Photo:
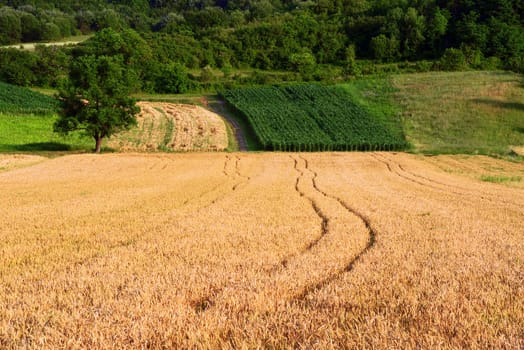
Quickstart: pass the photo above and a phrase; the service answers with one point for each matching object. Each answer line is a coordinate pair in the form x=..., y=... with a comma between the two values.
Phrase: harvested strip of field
x=173, y=127
x=210, y=250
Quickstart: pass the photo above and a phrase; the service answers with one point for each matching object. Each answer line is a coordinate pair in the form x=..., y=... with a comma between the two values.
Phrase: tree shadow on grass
x=500, y=104
x=38, y=147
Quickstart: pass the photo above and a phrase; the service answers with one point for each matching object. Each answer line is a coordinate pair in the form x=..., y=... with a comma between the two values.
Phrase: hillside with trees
x=302, y=40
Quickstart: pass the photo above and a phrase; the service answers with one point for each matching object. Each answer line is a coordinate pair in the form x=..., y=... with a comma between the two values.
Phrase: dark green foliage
x=134, y=51
x=53, y=63
x=276, y=35
x=384, y=49
x=31, y=27
x=453, y=59
x=10, y=26
x=169, y=78
x=312, y=118
x=18, y=100
x=303, y=62
x=18, y=67
x=96, y=99
x=28, y=23
x=50, y=32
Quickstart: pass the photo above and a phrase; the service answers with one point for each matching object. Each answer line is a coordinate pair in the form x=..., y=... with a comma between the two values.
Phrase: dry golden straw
x=211, y=250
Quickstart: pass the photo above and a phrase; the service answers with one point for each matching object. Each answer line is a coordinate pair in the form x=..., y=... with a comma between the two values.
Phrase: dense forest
x=309, y=40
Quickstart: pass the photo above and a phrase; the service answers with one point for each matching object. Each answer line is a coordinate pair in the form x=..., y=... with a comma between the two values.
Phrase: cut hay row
x=173, y=127
x=210, y=250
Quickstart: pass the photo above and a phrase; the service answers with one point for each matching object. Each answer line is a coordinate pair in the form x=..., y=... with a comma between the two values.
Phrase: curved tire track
x=239, y=175
x=227, y=173
x=345, y=236
x=367, y=223
x=436, y=185
x=325, y=220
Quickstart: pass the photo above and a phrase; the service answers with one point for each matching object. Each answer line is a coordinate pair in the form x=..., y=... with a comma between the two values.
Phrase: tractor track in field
x=427, y=182
x=324, y=229
x=289, y=266
x=238, y=174
x=226, y=173
x=405, y=177
x=404, y=170
x=233, y=174
x=349, y=266
x=446, y=185
x=207, y=301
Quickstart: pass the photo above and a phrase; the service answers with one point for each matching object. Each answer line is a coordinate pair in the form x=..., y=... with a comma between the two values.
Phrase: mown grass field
x=464, y=112
x=268, y=250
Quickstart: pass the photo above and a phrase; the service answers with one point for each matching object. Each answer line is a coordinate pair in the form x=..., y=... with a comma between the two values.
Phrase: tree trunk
x=98, y=144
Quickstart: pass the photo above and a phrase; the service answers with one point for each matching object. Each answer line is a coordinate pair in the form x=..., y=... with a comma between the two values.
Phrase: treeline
x=28, y=23
x=48, y=65
x=314, y=39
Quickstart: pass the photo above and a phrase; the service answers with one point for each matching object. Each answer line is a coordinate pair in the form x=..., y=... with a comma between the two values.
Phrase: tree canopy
x=95, y=98
x=296, y=36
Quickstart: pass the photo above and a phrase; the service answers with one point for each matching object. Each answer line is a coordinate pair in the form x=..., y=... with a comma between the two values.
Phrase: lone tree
x=96, y=99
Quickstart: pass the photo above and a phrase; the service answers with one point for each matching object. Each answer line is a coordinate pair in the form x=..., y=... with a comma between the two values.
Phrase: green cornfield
x=311, y=117
x=19, y=100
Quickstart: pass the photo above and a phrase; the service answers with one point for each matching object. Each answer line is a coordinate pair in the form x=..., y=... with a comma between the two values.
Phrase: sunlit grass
x=34, y=133
x=462, y=112
x=500, y=179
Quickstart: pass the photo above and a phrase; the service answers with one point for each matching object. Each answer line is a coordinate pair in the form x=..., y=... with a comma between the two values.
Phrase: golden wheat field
x=217, y=250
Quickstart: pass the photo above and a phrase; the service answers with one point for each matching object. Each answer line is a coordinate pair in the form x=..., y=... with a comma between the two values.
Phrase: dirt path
x=219, y=107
